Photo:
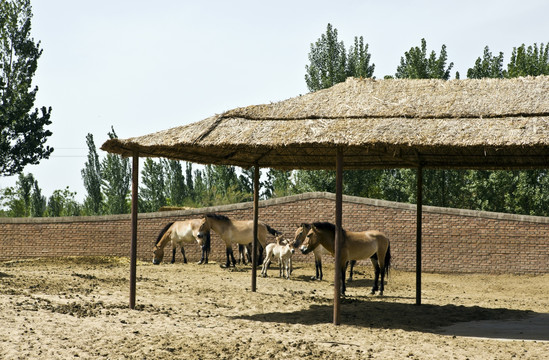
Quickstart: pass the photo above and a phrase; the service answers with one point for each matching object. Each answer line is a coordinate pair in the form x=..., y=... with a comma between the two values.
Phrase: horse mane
x=218, y=217
x=163, y=232
x=327, y=226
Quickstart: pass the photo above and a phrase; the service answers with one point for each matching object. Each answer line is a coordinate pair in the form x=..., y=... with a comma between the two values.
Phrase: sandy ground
x=78, y=308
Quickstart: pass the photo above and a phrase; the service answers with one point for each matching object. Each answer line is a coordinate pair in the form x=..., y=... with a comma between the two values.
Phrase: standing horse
x=354, y=246
x=300, y=235
x=234, y=231
x=180, y=232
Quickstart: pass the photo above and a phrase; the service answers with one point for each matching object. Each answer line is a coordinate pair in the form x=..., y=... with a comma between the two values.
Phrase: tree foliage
x=529, y=61
x=92, y=177
x=416, y=65
x=488, y=66
x=116, y=177
x=23, y=134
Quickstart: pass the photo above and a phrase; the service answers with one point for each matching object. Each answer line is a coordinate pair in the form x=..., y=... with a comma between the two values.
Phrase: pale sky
x=143, y=66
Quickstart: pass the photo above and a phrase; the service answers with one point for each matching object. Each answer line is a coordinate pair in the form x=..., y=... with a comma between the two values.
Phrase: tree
x=488, y=66
x=62, y=203
x=38, y=201
x=116, y=176
x=152, y=195
x=189, y=179
x=18, y=199
x=91, y=175
x=328, y=61
x=531, y=61
x=23, y=135
x=175, y=182
x=416, y=65
x=358, y=60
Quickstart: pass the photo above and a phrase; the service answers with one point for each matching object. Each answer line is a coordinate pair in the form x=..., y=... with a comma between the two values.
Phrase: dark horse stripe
x=163, y=232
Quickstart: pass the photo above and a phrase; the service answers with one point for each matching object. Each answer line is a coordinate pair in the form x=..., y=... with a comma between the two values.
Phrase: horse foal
x=281, y=250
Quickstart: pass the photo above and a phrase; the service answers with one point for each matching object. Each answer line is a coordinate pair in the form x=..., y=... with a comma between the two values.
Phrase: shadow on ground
x=440, y=319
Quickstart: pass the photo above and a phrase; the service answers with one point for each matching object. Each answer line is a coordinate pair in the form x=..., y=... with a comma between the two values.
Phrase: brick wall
x=453, y=240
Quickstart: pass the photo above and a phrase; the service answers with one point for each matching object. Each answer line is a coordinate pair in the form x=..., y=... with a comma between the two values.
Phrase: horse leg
x=343, y=271
x=183, y=253
x=260, y=255
x=173, y=256
x=353, y=263
x=249, y=252
x=377, y=269
x=231, y=254
x=228, y=253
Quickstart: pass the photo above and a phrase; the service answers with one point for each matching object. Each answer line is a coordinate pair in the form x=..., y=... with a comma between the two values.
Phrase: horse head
x=158, y=255
x=311, y=241
x=301, y=233
x=203, y=230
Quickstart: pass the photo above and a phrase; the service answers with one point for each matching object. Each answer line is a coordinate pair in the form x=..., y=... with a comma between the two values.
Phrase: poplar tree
x=24, y=133
x=92, y=177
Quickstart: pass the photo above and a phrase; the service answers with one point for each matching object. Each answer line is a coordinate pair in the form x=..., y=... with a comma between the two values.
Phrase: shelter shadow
x=389, y=315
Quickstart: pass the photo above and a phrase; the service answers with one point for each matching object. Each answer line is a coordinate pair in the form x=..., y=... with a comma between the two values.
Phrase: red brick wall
x=453, y=240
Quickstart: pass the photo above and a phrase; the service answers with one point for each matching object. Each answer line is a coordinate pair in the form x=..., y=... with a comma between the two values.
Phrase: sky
x=143, y=66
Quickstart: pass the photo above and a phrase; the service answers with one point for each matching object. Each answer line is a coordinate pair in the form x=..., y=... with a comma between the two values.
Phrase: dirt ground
x=78, y=308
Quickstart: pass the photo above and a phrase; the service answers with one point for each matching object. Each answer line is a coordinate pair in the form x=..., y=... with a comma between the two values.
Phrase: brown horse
x=177, y=233
x=234, y=231
x=354, y=246
x=300, y=235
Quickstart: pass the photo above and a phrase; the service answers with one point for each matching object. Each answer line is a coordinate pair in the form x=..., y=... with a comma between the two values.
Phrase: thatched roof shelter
x=361, y=124
x=488, y=123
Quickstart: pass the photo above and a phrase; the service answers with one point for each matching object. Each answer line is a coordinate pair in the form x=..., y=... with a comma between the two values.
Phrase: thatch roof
x=489, y=123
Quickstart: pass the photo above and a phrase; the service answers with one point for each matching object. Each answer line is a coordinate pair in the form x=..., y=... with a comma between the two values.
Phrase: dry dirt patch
x=78, y=308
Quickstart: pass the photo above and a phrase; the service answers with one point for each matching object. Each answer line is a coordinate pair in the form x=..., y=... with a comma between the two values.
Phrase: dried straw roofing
x=488, y=123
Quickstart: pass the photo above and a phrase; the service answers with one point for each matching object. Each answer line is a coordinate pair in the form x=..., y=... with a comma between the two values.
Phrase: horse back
x=182, y=231
x=364, y=244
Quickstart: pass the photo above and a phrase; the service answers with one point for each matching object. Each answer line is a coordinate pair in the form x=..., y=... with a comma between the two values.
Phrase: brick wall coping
x=283, y=200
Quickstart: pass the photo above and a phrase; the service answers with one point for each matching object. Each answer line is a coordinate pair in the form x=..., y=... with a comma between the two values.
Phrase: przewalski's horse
x=234, y=231
x=354, y=246
x=281, y=250
x=177, y=233
x=300, y=234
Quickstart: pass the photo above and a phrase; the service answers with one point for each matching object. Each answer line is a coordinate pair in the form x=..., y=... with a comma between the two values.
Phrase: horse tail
x=387, y=260
x=163, y=232
x=272, y=231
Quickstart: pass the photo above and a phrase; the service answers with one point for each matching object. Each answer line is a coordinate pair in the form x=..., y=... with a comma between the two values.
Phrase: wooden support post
x=256, y=219
x=133, y=248
x=338, y=234
x=419, y=213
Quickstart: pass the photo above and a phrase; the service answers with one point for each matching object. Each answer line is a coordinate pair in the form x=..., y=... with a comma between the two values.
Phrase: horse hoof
x=200, y=262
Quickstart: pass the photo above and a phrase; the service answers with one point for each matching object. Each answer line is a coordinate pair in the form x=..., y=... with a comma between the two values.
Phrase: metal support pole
x=419, y=213
x=338, y=234
x=256, y=216
x=133, y=248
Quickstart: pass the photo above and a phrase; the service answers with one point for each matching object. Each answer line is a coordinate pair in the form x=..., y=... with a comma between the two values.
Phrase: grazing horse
x=180, y=232
x=234, y=231
x=354, y=246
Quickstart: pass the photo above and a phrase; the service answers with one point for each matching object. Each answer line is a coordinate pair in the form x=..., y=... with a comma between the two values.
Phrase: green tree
x=38, y=201
x=175, y=182
x=63, y=203
x=528, y=61
x=92, y=177
x=116, y=179
x=23, y=135
x=358, y=60
x=18, y=199
x=189, y=180
x=488, y=66
x=279, y=183
x=152, y=195
x=328, y=61
x=416, y=65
